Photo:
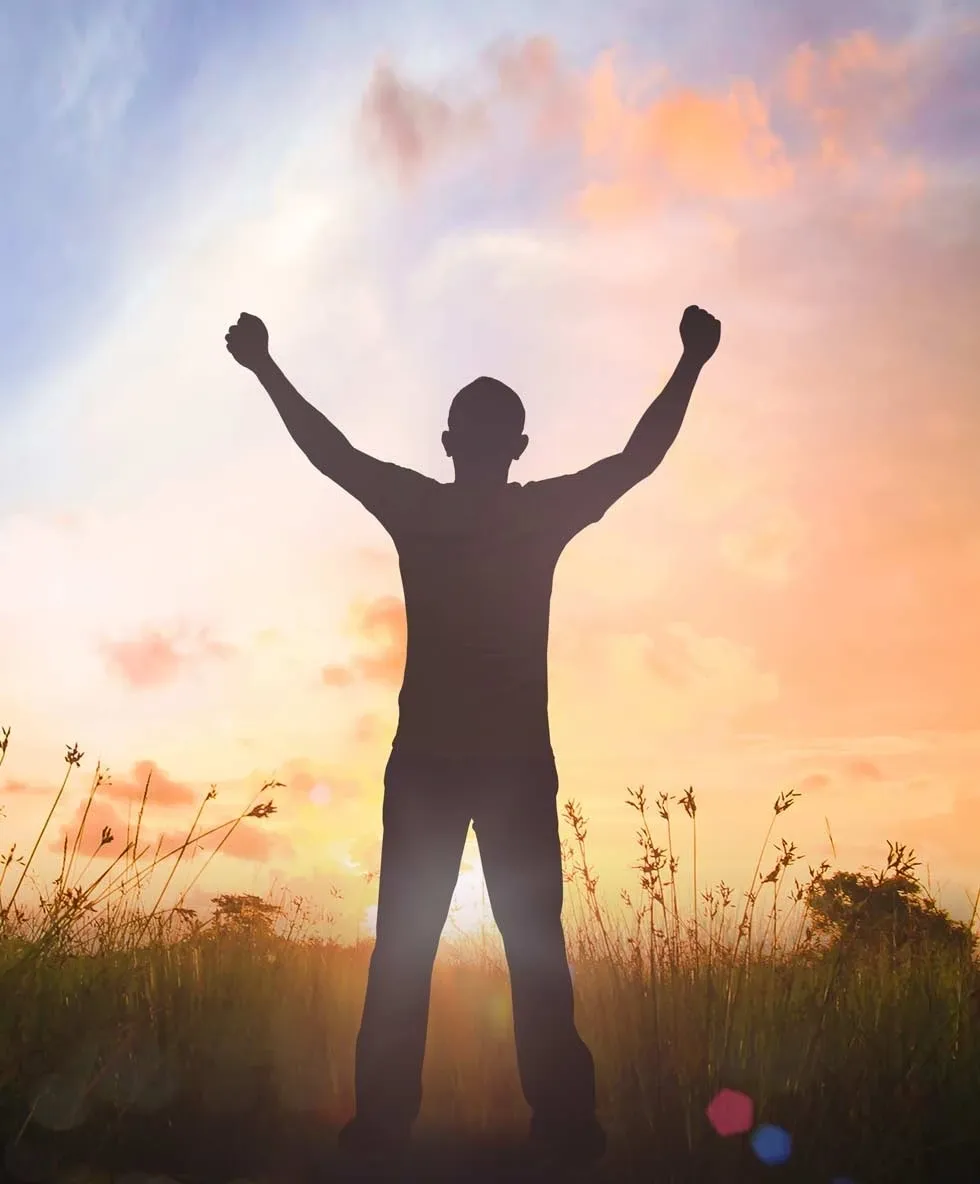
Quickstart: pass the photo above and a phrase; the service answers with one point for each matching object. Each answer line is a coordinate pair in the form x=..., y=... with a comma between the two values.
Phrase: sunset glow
x=789, y=601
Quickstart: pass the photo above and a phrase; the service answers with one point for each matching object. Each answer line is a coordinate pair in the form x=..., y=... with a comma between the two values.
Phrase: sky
x=418, y=194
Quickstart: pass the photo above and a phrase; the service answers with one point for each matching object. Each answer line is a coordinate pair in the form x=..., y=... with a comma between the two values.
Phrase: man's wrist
x=692, y=361
x=264, y=368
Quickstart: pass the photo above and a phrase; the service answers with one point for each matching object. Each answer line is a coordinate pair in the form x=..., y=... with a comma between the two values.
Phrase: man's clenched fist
x=700, y=333
x=248, y=341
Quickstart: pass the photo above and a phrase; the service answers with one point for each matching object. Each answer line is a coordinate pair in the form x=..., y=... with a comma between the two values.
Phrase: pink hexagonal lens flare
x=730, y=1112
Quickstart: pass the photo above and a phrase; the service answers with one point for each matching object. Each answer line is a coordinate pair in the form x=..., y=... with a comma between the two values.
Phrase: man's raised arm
x=327, y=448
x=575, y=500
x=660, y=423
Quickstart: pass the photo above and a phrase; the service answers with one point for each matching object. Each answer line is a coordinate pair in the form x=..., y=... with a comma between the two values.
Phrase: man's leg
x=516, y=823
x=426, y=819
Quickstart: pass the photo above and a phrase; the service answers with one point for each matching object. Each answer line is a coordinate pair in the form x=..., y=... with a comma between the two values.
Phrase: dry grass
x=108, y=1008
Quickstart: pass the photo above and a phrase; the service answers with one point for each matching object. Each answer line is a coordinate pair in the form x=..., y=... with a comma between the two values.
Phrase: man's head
x=486, y=425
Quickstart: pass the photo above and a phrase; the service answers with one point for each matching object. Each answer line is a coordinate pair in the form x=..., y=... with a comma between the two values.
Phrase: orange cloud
x=381, y=621
x=337, y=676
x=638, y=153
x=864, y=770
x=367, y=728
x=23, y=787
x=156, y=657
x=682, y=143
x=251, y=840
x=163, y=790
x=102, y=818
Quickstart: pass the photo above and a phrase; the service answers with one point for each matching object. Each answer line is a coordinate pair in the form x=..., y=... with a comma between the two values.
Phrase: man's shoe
x=367, y=1140
x=579, y=1141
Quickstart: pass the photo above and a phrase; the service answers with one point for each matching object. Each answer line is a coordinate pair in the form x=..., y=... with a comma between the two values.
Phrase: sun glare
x=469, y=912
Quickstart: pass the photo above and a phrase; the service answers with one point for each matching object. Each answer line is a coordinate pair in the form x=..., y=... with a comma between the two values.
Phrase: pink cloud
x=336, y=676
x=864, y=770
x=163, y=790
x=853, y=92
x=366, y=729
x=102, y=818
x=381, y=622
x=409, y=127
x=157, y=657
x=684, y=142
x=252, y=840
x=13, y=786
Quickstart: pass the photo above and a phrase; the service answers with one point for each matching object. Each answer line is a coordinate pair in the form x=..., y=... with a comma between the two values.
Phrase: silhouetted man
x=477, y=559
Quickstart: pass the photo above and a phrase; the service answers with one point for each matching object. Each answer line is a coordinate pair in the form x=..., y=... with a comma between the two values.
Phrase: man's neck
x=481, y=483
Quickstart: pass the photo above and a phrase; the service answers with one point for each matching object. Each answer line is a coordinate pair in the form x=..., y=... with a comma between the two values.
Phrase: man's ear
x=447, y=442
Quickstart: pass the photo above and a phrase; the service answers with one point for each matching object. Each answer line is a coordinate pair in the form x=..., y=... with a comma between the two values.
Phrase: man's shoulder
x=413, y=475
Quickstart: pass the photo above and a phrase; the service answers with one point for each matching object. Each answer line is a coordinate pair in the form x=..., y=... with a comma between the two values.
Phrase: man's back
x=477, y=573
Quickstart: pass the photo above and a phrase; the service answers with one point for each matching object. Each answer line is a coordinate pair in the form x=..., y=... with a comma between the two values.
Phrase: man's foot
x=366, y=1140
x=580, y=1141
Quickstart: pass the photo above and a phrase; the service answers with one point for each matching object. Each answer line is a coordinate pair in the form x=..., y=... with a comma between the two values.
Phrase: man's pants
x=428, y=806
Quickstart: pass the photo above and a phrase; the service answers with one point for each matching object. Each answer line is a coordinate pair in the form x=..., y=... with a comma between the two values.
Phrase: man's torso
x=477, y=575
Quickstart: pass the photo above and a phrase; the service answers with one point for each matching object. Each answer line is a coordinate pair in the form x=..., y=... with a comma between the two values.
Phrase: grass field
x=141, y=1039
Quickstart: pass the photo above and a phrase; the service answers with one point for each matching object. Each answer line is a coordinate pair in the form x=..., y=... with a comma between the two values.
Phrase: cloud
x=157, y=657
x=682, y=143
x=854, y=768
x=810, y=73
x=835, y=105
x=367, y=729
x=864, y=770
x=854, y=94
x=252, y=838
x=252, y=841
x=380, y=621
x=409, y=127
x=853, y=72
x=337, y=676
x=94, y=73
x=163, y=790
x=15, y=786
x=530, y=75
x=102, y=818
